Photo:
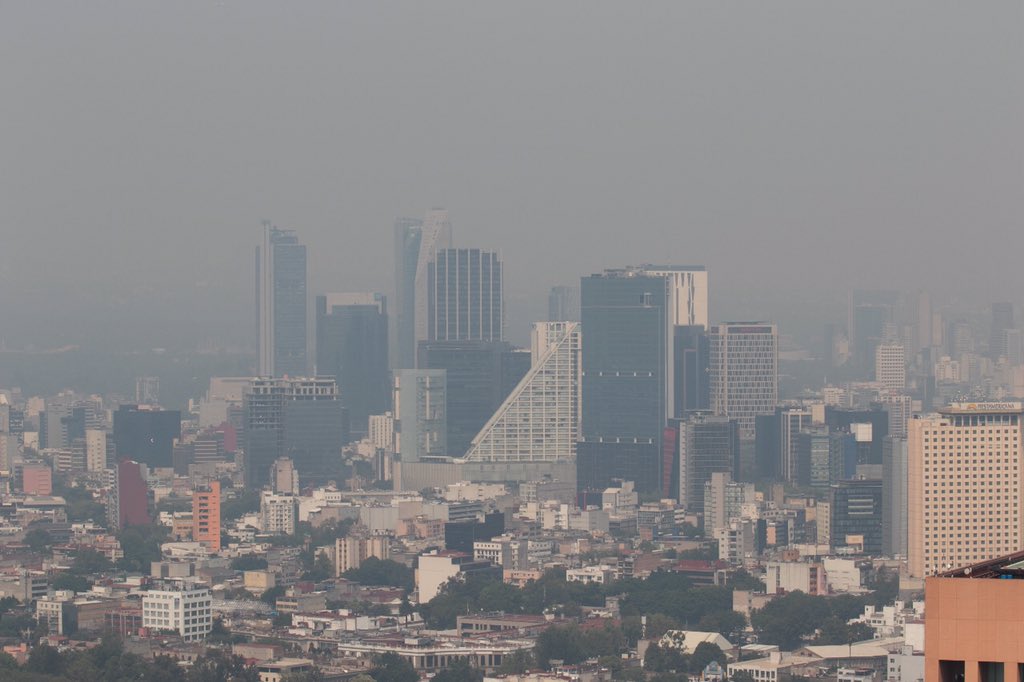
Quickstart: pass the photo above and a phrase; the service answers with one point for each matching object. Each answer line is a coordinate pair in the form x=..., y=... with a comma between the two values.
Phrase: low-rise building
x=182, y=607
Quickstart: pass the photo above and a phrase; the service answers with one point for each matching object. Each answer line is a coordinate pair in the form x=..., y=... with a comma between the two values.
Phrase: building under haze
x=964, y=479
x=416, y=242
x=1002, y=322
x=479, y=375
x=539, y=420
x=626, y=320
x=146, y=434
x=352, y=347
x=707, y=445
x=420, y=414
x=302, y=419
x=281, y=303
x=744, y=372
x=564, y=304
x=465, y=296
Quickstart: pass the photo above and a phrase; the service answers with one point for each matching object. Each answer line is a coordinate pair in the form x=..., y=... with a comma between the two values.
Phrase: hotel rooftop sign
x=986, y=407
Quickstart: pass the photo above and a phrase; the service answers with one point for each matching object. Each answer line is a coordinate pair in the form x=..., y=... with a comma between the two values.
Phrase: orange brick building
x=206, y=516
x=974, y=623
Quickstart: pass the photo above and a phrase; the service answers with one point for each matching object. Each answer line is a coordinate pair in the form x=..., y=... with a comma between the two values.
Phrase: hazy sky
x=796, y=148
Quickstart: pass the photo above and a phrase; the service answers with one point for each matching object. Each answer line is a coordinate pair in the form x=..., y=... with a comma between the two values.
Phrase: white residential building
x=279, y=513
x=180, y=607
x=891, y=366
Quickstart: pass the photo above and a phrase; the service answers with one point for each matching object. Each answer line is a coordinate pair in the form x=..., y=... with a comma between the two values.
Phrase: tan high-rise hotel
x=964, y=486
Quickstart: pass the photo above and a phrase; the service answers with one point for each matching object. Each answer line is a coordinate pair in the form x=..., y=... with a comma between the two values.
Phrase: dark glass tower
x=281, y=303
x=707, y=445
x=625, y=336
x=352, y=347
x=479, y=375
x=465, y=296
x=856, y=514
x=146, y=435
x=690, y=370
x=301, y=419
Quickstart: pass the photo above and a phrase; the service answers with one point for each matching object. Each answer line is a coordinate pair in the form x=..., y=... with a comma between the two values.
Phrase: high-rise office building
x=206, y=516
x=894, y=496
x=539, y=420
x=625, y=385
x=146, y=434
x=1002, y=321
x=707, y=445
x=147, y=390
x=891, y=366
x=281, y=303
x=964, y=478
x=687, y=289
x=301, y=419
x=744, y=372
x=868, y=427
x=564, y=304
x=421, y=429
x=820, y=457
x=856, y=516
x=691, y=360
x=464, y=296
x=352, y=347
x=869, y=315
x=416, y=242
x=408, y=236
x=479, y=375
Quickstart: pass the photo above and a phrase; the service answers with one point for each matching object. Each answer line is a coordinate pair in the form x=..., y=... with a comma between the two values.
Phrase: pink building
x=132, y=504
x=37, y=479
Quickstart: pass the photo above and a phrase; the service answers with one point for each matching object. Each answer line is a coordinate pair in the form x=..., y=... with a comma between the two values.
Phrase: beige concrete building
x=964, y=486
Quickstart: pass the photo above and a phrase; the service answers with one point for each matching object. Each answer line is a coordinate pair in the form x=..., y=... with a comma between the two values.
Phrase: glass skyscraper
x=352, y=347
x=281, y=303
x=464, y=298
x=625, y=322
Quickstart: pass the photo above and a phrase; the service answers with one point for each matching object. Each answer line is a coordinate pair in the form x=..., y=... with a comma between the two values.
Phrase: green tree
x=8, y=603
x=38, y=539
x=741, y=676
x=742, y=580
x=70, y=581
x=836, y=631
x=141, y=546
x=703, y=655
x=729, y=624
x=218, y=666
x=322, y=569
x=46, y=660
x=391, y=667
x=270, y=595
x=88, y=561
x=658, y=624
x=7, y=662
x=516, y=664
x=314, y=675
x=786, y=621
x=374, y=571
x=563, y=643
x=250, y=562
x=459, y=671
x=241, y=504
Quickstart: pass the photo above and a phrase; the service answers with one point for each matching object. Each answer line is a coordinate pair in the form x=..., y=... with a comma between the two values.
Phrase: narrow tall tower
x=281, y=303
